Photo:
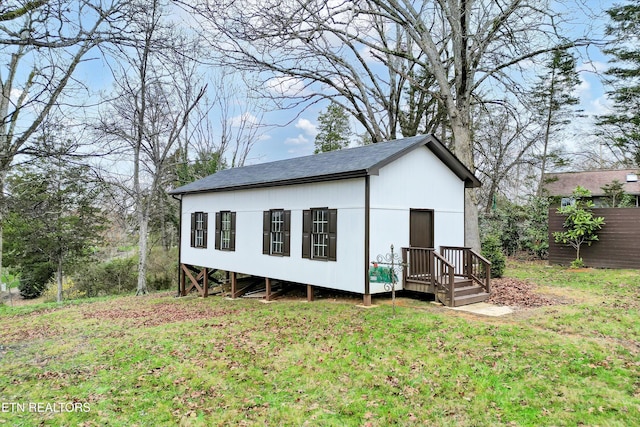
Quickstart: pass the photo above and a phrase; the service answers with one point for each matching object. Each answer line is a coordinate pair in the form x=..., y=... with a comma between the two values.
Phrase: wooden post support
x=205, y=283
x=366, y=300
x=234, y=284
x=309, y=293
x=183, y=288
x=405, y=271
x=267, y=282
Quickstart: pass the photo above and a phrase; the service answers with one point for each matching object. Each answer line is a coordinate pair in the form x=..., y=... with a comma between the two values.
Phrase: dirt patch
x=15, y=299
x=157, y=314
x=521, y=294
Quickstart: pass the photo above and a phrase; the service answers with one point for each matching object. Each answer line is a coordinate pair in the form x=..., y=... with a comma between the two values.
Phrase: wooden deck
x=456, y=276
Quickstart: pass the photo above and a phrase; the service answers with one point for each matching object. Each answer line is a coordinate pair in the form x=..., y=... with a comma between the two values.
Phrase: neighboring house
x=620, y=235
x=321, y=220
x=562, y=184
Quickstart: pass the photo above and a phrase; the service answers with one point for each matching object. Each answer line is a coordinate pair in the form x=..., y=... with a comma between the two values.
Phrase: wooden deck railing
x=469, y=264
x=425, y=265
x=444, y=276
x=419, y=263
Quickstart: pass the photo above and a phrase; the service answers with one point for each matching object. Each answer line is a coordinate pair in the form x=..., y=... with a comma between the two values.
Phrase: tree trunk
x=3, y=174
x=3, y=208
x=164, y=230
x=2, y=284
x=491, y=194
x=471, y=227
x=143, y=221
x=463, y=147
x=547, y=132
x=59, y=280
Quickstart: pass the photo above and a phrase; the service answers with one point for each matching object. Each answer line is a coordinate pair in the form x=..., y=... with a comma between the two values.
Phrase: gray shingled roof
x=563, y=184
x=341, y=164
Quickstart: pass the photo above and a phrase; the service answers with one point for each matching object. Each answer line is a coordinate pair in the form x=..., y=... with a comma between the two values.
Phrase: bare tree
x=43, y=42
x=553, y=98
x=12, y=11
x=241, y=120
x=156, y=94
x=504, y=139
x=307, y=51
x=361, y=54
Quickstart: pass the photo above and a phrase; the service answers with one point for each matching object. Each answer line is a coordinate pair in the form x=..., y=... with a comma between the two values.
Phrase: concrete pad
x=366, y=306
x=484, y=308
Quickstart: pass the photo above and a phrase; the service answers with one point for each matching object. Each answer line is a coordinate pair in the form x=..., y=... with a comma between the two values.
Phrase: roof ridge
x=595, y=171
x=351, y=162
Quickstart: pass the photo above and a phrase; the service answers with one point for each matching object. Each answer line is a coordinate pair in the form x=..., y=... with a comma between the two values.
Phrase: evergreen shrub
x=492, y=250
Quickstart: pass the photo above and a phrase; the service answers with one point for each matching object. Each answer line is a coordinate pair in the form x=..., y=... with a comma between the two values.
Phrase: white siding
x=346, y=196
x=418, y=180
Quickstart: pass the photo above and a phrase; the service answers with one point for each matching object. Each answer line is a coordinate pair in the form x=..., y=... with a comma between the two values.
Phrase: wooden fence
x=618, y=245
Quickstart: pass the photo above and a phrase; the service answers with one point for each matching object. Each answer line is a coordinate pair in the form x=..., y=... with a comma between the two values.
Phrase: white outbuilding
x=321, y=220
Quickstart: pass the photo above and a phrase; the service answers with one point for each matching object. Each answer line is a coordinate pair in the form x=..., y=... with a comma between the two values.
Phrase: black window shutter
x=266, y=231
x=306, y=234
x=286, y=251
x=333, y=234
x=193, y=229
x=205, y=226
x=218, y=228
x=232, y=243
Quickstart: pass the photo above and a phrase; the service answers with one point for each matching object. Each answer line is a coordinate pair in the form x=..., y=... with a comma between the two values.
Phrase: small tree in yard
x=54, y=222
x=581, y=226
x=615, y=197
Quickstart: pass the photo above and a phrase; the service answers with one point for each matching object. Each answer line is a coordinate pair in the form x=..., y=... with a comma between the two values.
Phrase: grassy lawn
x=158, y=360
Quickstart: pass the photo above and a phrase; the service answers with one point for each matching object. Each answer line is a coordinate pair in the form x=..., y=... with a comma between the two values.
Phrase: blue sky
x=296, y=139
x=291, y=133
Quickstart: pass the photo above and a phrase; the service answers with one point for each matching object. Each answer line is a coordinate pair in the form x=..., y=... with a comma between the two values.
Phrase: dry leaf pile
x=517, y=293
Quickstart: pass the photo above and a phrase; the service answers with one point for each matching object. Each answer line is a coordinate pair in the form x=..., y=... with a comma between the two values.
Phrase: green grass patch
x=159, y=360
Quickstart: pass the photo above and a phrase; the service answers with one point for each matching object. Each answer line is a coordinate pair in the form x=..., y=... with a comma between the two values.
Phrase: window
x=567, y=201
x=276, y=234
x=199, y=222
x=319, y=233
x=226, y=231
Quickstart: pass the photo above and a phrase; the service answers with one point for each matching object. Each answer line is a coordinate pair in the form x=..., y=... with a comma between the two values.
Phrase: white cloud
x=297, y=140
x=599, y=106
x=307, y=127
x=287, y=86
x=368, y=57
x=527, y=64
x=593, y=67
x=246, y=119
x=15, y=94
x=583, y=88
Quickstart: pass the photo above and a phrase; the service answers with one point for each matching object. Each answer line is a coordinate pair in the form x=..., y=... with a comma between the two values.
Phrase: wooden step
x=461, y=282
x=417, y=286
x=467, y=290
x=470, y=299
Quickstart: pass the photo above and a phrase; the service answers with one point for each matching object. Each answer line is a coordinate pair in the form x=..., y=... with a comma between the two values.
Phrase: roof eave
x=304, y=180
x=456, y=166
